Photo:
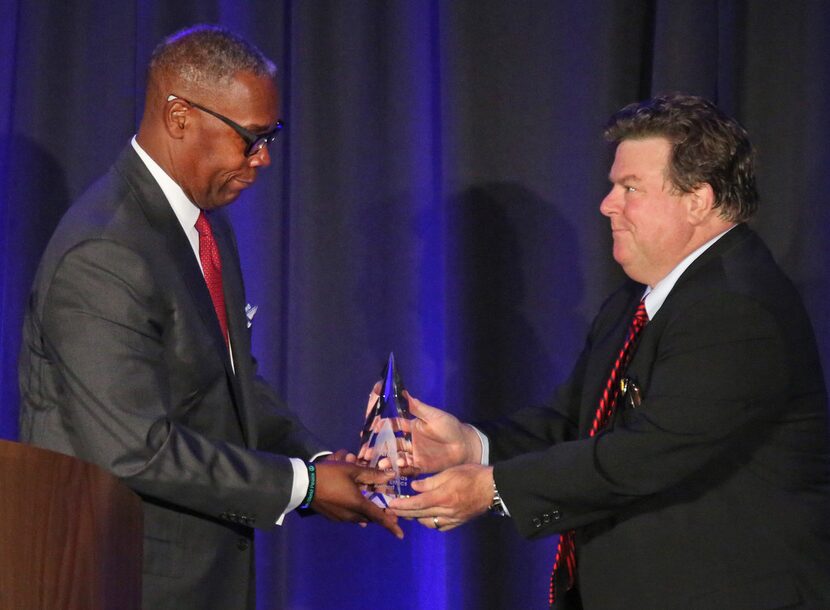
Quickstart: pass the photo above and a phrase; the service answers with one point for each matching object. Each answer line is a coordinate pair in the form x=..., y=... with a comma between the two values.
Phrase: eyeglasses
x=254, y=141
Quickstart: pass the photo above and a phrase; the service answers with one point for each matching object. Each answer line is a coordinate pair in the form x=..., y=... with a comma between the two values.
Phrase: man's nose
x=261, y=158
x=610, y=204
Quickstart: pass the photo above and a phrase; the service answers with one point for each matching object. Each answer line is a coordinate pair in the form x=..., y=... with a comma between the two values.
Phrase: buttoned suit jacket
x=713, y=491
x=123, y=364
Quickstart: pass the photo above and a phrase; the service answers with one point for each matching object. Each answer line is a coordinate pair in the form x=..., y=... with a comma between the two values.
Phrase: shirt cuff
x=485, y=460
x=485, y=446
x=299, y=487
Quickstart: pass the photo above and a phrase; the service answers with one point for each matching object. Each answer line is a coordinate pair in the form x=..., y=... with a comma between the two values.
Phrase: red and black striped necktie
x=565, y=554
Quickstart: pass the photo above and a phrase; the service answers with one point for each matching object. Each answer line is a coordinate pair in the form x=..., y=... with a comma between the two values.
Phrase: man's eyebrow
x=626, y=178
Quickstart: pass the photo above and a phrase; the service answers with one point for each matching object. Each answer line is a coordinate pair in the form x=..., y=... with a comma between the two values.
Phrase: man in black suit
x=130, y=361
x=705, y=483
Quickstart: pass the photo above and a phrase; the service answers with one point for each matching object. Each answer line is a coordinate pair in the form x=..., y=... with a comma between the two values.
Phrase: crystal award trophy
x=386, y=438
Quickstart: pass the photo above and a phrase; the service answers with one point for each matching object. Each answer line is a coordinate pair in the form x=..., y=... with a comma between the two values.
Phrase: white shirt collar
x=185, y=210
x=655, y=296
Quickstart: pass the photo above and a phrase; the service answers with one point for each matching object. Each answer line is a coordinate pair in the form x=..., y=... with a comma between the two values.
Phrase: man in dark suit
x=132, y=361
x=684, y=462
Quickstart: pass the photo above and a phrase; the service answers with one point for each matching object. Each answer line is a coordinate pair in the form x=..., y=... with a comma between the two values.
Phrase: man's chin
x=215, y=203
x=225, y=197
x=233, y=190
x=620, y=254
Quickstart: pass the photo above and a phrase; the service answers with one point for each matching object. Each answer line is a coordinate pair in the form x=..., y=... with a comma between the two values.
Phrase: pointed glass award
x=386, y=438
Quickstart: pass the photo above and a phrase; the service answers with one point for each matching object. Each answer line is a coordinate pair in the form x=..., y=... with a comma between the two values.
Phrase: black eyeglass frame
x=254, y=141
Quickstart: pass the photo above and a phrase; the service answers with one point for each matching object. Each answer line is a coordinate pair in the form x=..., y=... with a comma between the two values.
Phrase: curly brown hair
x=708, y=147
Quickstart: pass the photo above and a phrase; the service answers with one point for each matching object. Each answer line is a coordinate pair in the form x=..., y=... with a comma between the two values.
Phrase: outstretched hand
x=450, y=498
x=439, y=439
x=338, y=497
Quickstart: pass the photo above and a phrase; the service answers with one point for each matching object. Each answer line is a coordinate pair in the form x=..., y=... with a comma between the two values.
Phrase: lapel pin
x=250, y=312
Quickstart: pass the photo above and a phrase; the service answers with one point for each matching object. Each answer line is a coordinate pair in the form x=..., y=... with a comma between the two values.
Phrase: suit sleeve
x=717, y=379
x=104, y=328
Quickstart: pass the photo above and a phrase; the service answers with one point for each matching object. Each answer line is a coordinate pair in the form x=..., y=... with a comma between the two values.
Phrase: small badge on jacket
x=250, y=312
x=631, y=392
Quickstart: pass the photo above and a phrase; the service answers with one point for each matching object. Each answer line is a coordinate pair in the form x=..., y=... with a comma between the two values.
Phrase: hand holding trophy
x=386, y=438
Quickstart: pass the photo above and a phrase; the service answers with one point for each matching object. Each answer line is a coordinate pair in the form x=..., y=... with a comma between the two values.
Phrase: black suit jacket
x=713, y=492
x=123, y=364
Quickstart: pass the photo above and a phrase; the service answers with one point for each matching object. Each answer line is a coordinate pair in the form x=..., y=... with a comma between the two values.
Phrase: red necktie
x=212, y=268
x=607, y=402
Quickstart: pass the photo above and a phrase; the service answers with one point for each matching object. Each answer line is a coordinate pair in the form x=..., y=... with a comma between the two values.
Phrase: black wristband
x=312, y=485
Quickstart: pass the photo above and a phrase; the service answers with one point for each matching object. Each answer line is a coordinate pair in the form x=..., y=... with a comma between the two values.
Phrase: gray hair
x=206, y=55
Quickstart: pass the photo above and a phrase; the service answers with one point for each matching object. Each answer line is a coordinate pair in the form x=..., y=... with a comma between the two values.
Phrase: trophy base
x=398, y=487
x=381, y=499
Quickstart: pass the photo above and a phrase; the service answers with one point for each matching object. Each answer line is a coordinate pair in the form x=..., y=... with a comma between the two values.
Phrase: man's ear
x=700, y=203
x=175, y=117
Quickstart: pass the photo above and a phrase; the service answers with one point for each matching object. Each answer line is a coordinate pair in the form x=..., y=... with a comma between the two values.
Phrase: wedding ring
x=435, y=523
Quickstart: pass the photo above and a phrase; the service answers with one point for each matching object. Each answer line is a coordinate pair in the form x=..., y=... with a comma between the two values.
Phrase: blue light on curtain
x=435, y=194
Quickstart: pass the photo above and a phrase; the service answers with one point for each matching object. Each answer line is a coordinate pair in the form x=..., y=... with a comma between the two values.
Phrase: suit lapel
x=161, y=217
x=191, y=274
x=608, y=340
x=237, y=320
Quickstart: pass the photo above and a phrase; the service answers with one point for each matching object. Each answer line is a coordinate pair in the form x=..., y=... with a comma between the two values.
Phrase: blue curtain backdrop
x=436, y=193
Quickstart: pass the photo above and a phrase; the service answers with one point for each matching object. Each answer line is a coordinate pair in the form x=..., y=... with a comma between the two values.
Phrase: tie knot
x=203, y=224
x=641, y=315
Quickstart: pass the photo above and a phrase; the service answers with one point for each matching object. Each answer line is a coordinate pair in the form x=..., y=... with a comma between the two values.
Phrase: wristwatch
x=496, y=507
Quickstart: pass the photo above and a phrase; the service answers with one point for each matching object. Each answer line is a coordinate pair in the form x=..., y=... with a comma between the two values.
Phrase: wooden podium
x=70, y=534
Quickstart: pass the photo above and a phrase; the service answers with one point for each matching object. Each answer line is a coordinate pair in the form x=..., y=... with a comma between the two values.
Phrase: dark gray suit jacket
x=713, y=492
x=123, y=365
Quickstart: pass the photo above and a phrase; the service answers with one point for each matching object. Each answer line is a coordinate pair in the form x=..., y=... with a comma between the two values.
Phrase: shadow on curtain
x=436, y=194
